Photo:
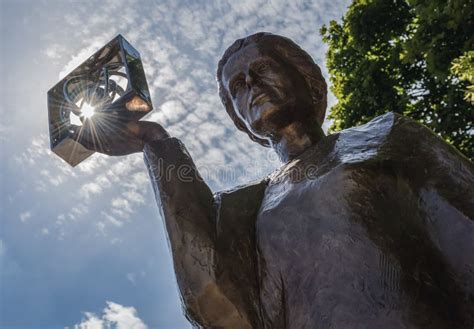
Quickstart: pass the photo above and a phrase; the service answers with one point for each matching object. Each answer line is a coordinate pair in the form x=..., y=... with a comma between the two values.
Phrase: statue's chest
x=314, y=251
x=299, y=220
x=292, y=208
x=313, y=232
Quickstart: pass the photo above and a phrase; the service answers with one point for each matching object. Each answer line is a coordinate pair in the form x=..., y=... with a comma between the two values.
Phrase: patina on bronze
x=371, y=227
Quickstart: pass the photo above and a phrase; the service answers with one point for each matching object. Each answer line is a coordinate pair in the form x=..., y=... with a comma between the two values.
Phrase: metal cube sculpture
x=111, y=81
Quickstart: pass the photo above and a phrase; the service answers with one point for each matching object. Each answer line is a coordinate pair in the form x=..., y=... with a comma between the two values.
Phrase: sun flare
x=87, y=111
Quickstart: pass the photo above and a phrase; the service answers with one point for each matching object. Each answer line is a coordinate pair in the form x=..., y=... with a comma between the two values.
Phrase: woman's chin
x=267, y=119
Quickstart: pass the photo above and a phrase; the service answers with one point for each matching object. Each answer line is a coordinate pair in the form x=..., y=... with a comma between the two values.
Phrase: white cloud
x=103, y=181
x=121, y=207
x=38, y=149
x=139, y=180
x=24, y=216
x=60, y=219
x=93, y=163
x=100, y=225
x=114, y=316
x=94, y=44
x=79, y=210
x=90, y=322
x=112, y=220
x=37, y=157
x=53, y=179
x=134, y=276
x=171, y=111
x=54, y=51
x=89, y=189
x=134, y=197
x=2, y=248
x=124, y=317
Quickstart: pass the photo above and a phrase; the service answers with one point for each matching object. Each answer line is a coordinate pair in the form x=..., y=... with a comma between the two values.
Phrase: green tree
x=405, y=56
x=463, y=68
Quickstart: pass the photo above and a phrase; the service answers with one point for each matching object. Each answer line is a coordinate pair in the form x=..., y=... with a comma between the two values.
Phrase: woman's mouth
x=259, y=99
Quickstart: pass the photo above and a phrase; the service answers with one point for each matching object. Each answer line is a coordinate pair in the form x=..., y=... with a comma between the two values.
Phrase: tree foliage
x=405, y=56
x=463, y=68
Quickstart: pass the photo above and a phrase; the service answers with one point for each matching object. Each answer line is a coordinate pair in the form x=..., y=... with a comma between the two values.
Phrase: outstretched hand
x=115, y=137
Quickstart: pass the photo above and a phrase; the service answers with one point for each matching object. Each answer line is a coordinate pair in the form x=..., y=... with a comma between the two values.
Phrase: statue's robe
x=371, y=227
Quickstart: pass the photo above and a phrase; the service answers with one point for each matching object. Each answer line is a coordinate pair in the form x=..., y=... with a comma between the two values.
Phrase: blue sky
x=84, y=247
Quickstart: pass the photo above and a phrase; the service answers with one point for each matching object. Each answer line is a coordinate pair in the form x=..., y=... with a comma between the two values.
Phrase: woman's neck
x=296, y=138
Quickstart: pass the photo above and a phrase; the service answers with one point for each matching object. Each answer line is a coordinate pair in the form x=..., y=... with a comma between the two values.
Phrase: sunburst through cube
x=110, y=84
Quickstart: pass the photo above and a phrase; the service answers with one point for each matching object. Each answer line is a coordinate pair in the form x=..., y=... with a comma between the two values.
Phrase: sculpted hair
x=291, y=53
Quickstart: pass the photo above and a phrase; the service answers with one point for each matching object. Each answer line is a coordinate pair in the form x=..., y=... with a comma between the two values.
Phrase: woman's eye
x=236, y=86
x=239, y=84
x=262, y=67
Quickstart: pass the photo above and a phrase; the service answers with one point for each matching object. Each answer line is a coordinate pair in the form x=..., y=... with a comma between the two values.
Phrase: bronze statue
x=371, y=227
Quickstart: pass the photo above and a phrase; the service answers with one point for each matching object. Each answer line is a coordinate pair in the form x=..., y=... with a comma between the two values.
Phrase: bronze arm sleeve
x=444, y=182
x=189, y=213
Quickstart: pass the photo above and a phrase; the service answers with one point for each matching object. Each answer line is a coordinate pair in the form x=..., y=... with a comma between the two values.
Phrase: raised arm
x=189, y=212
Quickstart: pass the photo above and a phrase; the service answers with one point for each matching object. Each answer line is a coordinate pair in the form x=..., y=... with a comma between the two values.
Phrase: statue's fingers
x=110, y=126
x=111, y=138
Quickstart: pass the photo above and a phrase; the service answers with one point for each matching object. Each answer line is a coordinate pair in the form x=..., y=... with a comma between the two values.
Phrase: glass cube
x=112, y=81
